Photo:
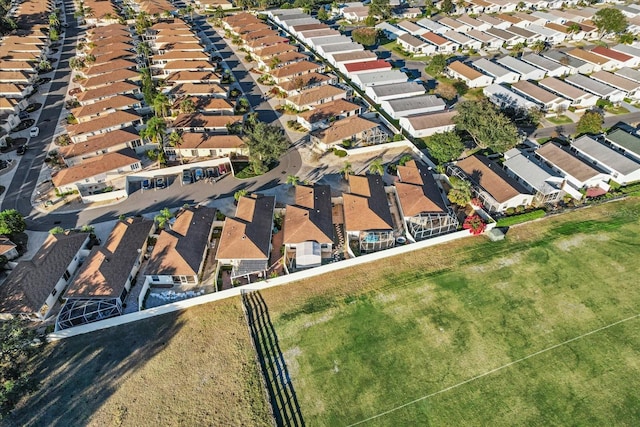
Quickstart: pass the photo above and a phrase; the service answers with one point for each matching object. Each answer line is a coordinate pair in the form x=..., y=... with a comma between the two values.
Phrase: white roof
x=606, y=155
x=590, y=85
x=308, y=254
x=542, y=62
x=381, y=77
x=517, y=65
x=507, y=97
x=490, y=68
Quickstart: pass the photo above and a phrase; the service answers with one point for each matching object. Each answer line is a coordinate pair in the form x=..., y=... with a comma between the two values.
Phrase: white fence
x=269, y=283
x=176, y=170
x=111, y=195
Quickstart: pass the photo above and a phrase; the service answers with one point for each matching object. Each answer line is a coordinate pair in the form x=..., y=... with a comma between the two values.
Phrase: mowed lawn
x=192, y=368
x=363, y=341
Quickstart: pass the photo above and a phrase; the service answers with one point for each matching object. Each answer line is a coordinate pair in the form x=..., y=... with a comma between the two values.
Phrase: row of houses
x=22, y=52
x=551, y=172
x=326, y=108
x=417, y=112
x=445, y=34
x=319, y=227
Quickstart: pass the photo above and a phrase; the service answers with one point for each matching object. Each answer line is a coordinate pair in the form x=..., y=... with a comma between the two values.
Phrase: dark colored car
x=187, y=178
x=21, y=150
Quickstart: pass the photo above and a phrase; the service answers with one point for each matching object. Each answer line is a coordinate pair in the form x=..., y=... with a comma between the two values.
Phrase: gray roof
x=397, y=88
x=383, y=76
x=590, y=85
x=629, y=50
x=545, y=31
x=385, y=26
x=30, y=283
x=542, y=62
x=342, y=47
x=606, y=155
x=563, y=59
x=430, y=25
x=517, y=65
x=629, y=73
x=415, y=102
x=625, y=140
x=501, y=34
x=521, y=32
x=507, y=97
x=107, y=268
x=490, y=68
x=324, y=41
x=180, y=250
x=534, y=172
x=293, y=17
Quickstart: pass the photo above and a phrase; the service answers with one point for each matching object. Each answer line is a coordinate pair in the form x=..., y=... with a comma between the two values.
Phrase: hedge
x=518, y=219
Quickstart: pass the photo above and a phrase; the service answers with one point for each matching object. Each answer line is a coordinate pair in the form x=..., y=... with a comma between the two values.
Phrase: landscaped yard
x=616, y=109
x=195, y=367
x=559, y=120
x=365, y=340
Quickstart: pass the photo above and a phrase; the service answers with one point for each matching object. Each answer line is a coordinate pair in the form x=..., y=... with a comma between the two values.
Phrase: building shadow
x=282, y=396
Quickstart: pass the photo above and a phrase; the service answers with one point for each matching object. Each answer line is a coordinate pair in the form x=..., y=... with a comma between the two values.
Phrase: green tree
x=163, y=217
x=590, y=122
x=380, y=8
x=610, y=21
x=460, y=192
x=445, y=146
x=56, y=230
x=292, y=180
x=187, y=106
x=626, y=38
x=376, y=167
x=44, y=65
x=437, y=65
x=446, y=6
x=161, y=105
x=144, y=51
x=18, y=343
x=365, y=36
x=54, y=21
x=574, y=28
x=538, y=46
x=266, y=143
x=488, y=127
x=218, y=13
x=175, y=141
x=54, y=35
x=155, y=130
x=346, y=170
x=148, y=88
x=323, y=15
x=11, y=222
x=240, y=194
x=369, y=21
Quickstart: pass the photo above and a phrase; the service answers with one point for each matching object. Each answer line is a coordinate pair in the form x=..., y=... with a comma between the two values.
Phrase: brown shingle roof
x=432, y=120
x=267, y=41
x=295, y=68
x=315, y=94
x=366, y=206
x=181, y=64
x=30, y=283
x=198, y=120
x=106, y=48
x=491, y=177
x=248, y=235
x=118, y=102
x=418, y=191
x=305, y=80
x=118, y=117
x=328, y=110
x=112, y=77
x=98, y=143
x=174, y=55
x=180, y=250
x=465, y=70
x=310, y=217
x=198, y=89
x=344, y=128
x=588, y=56
x=112, y=66
x=567, y=161
x=193, y=140
x=269, y=51
x=107, y=268
x=114, y=89
x=94, y=166
x=193, y=76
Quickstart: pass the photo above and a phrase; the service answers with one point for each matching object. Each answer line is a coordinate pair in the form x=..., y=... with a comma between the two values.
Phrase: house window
x=135, y=166
x=66, y=275
x=54, y=292
x=155, y=279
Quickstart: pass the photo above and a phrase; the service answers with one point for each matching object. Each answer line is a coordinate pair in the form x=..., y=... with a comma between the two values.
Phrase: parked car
x=22, y=149
x=146, y=184
x=23, y=115
x=187, y=178
x=198, y=174
x=161, y=182
x=34, y=131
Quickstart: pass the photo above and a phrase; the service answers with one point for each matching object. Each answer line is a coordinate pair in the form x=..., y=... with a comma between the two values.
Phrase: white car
x=34, y=131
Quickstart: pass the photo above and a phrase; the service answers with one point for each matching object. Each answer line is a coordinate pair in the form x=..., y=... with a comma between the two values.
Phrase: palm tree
x=88, y=12
x=163, y=217
x=538, y=46
x=460, y=193
x=161, y=105
x=240, y=194
x=44, y=65
x=376, y=167
x=346, y=170
x=175, y=141
x=144, y=50
x=187, y=106
x=155, y=130
x=292, y=180
x=274, y=62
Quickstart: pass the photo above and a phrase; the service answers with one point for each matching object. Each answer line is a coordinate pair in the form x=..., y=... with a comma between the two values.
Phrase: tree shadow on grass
x=78, y=374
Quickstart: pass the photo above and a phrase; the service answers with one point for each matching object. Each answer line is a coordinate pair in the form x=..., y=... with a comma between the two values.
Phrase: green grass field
x=365, y=340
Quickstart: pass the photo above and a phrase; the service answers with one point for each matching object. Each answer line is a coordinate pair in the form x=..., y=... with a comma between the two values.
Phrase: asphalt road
x=26, y=176
x=138, y=202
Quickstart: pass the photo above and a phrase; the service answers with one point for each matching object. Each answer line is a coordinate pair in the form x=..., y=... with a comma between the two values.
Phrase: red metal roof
x=618, y=56
x=595, y=192
x=378, y=64
x=434, y=38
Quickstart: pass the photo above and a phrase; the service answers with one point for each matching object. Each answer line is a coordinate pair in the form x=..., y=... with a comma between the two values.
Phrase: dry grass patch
x=194, y=367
